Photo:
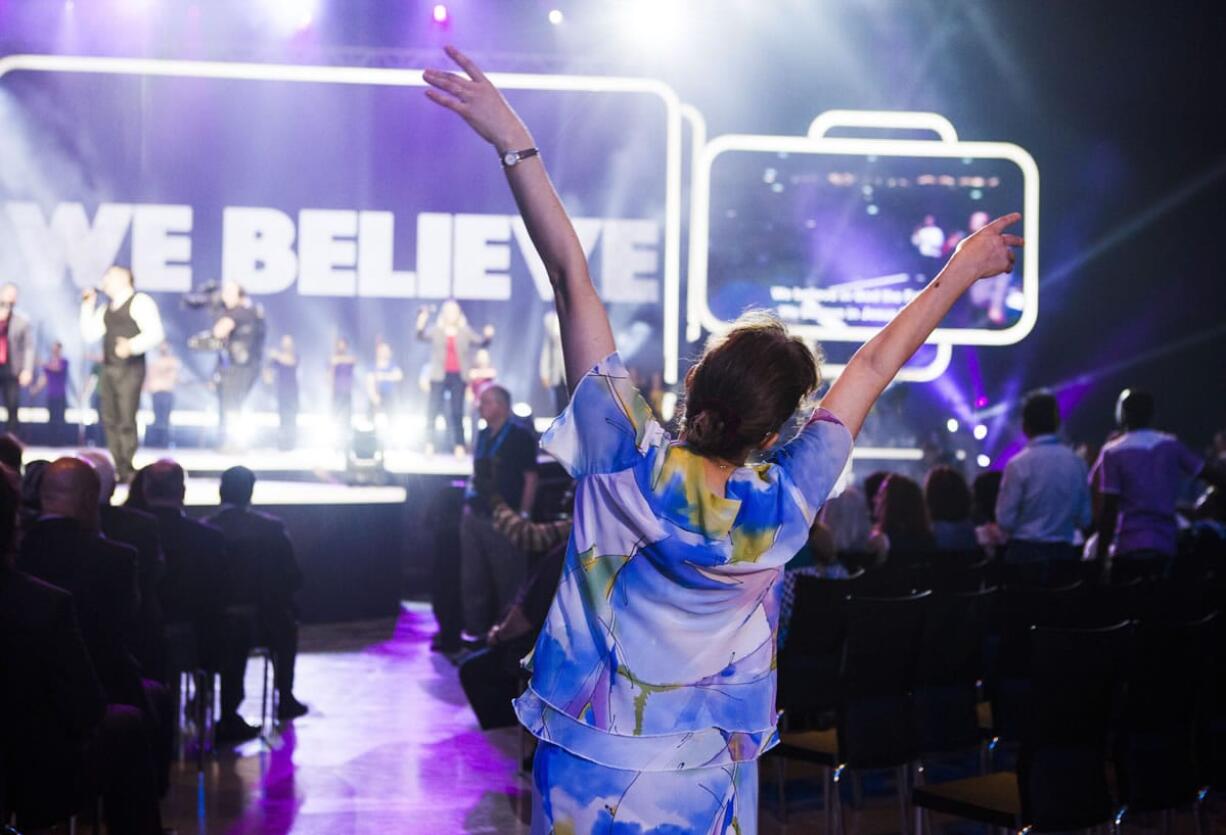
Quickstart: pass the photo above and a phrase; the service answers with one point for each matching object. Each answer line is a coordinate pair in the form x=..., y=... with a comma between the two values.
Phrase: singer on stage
x=128, y=325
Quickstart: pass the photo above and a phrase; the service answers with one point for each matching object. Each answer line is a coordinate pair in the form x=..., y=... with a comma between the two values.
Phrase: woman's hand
x=478, y=101
x=989, y=251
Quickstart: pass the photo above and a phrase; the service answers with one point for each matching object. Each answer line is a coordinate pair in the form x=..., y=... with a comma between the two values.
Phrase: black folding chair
x=1061, y=780
x=1155, y=756
x=874, y=723
x=948, y=672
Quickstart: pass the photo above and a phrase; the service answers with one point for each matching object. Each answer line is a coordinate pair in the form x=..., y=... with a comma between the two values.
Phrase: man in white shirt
x=128, y=325
x=928, y=238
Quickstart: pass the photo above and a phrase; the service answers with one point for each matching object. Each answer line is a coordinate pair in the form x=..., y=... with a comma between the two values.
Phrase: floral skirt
x=575, y=796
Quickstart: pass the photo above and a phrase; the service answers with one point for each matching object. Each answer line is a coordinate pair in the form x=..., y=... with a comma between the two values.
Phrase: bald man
x=65, y=548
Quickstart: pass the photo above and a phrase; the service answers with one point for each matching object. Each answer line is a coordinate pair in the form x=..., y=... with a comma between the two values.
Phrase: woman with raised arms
x=653, y=681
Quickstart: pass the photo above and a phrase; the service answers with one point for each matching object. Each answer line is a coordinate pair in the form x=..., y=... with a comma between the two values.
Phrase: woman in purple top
x=653, y=680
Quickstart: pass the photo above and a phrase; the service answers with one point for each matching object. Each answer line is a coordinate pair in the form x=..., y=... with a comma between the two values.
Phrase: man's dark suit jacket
x=101, y=576
x=262, y=569
x=194, y=582
x=51, y=699
x=140, y=530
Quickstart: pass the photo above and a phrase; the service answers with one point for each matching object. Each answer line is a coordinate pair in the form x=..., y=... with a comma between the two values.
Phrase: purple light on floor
x=440, y=14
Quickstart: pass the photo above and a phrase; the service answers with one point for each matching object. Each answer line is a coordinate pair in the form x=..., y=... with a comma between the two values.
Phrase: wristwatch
x=512, y=158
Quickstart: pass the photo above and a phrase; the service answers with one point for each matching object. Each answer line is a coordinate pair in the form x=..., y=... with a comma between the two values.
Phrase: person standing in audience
x=139, y=530
x=63, y=743
x=552, y=368
x=1138, y=475
x=194, y=591
x=65, y=548
x=653, y=680
x=1043, y=499
x=16, y=354
x=129, y=326
x=948, y=498
x=491, y=568
x=263, y=574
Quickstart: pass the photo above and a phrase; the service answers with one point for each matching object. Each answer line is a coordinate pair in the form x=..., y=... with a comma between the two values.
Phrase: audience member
x=985, y=490
x=949, y=507
x=903, y=533
x=61, y=744
x=490, y=676
x=847, y=518
x=263, y=573
x=193, y=591
x=140, y=530
x=136, y=491
x=1043, y=498
x=491, y=567
x=872, y=483
x=12, y=451
x=1139, y=475
x=31, y=502
x=65, y=548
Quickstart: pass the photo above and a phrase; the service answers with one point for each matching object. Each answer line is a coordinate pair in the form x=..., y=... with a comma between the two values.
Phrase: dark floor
x=390, y=746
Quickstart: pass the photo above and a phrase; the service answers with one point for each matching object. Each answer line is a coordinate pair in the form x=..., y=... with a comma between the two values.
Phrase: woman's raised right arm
x=586, y=335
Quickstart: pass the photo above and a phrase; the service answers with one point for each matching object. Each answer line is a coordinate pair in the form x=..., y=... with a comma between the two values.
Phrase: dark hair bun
x=746, y=386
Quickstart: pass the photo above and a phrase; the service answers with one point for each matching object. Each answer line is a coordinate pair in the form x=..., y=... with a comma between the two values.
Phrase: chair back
x=948, y=670
x=1008, y=670
x=1062, y=774
x=810, y=659
x=1167, y=676
x=957, y=571
x=875, y=723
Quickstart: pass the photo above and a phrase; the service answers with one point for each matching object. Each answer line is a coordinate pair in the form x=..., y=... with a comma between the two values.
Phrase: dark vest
x=119, y=323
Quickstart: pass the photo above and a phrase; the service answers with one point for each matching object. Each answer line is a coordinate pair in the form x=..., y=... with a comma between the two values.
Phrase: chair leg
x=917, y=779
x=781, y=786
x=904, y=812
x=1198, y=811
x=838, y=824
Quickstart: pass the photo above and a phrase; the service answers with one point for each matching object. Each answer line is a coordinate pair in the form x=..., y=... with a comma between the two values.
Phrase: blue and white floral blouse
x=658, y=653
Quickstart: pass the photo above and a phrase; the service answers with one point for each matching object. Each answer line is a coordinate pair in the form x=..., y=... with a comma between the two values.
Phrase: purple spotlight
x=440, y=14
x=981, y=402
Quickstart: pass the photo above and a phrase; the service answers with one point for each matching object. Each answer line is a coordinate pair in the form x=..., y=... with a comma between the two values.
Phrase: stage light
x=980, y=432
x=983, y=461
x=951, y=425
x=556, y=17
x=440, y=14
x=291, y=15
x=981, y=402
x=960, y=455
x=522, y=410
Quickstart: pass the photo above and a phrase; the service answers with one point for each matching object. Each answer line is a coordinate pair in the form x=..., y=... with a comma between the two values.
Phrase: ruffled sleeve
x=607, y=427
x=814, y=460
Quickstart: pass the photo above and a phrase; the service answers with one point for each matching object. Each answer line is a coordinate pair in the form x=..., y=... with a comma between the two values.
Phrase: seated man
x=193, y=591
x=262, y=573
x=140, y=530
x=56, y=731
x=64, y=548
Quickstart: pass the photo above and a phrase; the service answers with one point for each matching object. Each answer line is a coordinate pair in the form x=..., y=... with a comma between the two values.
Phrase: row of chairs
x=905, y=679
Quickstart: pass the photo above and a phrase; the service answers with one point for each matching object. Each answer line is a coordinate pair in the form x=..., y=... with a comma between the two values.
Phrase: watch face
x=510, y=158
